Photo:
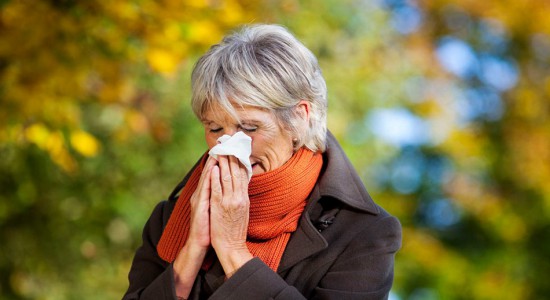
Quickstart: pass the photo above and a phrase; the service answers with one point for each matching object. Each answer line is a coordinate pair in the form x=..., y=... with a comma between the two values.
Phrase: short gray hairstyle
x=264, y=66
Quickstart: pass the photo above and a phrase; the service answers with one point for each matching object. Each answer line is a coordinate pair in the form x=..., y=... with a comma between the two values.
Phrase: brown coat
x=344, y=248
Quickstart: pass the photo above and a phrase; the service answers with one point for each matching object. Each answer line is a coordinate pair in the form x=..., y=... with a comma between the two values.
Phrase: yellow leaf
x=232, y=12
x=85, y=143
x=204, y=32
x=38, y=134
x=197, y=3
x=162, y=61
x=57, y=149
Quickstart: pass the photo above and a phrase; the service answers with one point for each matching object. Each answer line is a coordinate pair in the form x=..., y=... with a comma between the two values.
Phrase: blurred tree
x=441, y=105
x=56, y=56
x=481, y=226
x=93, y=132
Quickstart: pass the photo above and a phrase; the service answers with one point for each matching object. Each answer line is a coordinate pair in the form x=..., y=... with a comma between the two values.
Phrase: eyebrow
x=251, y=121
x=243, y=121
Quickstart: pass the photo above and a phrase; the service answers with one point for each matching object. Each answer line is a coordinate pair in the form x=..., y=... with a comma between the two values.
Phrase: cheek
x=258, y=146
x=210, y=141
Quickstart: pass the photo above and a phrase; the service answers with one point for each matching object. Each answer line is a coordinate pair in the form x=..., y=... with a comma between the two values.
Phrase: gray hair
x=264, y=66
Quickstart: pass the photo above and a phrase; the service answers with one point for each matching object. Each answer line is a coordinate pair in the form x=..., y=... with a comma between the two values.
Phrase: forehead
x=219, y=114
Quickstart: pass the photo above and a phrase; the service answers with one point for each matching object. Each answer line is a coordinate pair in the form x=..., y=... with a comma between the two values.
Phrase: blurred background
x=441, y=105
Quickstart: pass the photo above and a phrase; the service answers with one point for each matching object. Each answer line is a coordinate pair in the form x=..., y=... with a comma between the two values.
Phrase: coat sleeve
x=364, y=270
x=150, y=277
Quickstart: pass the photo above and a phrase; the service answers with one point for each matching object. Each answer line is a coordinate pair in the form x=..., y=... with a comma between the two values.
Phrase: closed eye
x=249, y=129
x=214, y=130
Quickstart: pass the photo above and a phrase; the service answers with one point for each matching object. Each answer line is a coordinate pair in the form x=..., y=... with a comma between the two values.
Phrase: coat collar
x=338, y=180
x=341, y=181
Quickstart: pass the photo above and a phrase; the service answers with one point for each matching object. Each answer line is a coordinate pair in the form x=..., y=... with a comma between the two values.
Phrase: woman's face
x=271, y=145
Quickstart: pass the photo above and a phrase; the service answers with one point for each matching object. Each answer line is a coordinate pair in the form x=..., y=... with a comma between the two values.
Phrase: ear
x=303, y=109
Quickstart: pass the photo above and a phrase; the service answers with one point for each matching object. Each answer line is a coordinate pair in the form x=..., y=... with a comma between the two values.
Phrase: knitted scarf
x=277, y=200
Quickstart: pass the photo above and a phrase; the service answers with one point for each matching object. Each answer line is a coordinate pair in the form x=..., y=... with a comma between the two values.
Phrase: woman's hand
x=229, y=213
x=189, y=260
x=199, y=231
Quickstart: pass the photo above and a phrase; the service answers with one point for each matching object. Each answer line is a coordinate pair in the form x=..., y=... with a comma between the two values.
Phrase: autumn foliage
x=442, y=106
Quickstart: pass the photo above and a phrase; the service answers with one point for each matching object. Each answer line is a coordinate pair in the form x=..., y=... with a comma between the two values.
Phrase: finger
x=236, y=172
x=244, y=179
x=225, y=174
x=216, y=188
x=205, y=175
x=204, y=182
x=240, y=176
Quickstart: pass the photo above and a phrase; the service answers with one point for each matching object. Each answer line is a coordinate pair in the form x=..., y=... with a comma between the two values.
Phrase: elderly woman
x=304, y=226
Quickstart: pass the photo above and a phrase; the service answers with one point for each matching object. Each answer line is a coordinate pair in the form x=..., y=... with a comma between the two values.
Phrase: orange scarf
x=277, y=200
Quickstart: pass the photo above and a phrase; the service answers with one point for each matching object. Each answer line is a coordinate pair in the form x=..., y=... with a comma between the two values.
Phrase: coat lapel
x=305, y=241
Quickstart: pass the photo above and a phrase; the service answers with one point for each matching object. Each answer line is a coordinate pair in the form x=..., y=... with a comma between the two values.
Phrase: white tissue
x=238, y=145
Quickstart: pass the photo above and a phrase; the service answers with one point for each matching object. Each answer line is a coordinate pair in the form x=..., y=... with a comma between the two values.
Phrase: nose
x=230, y=131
